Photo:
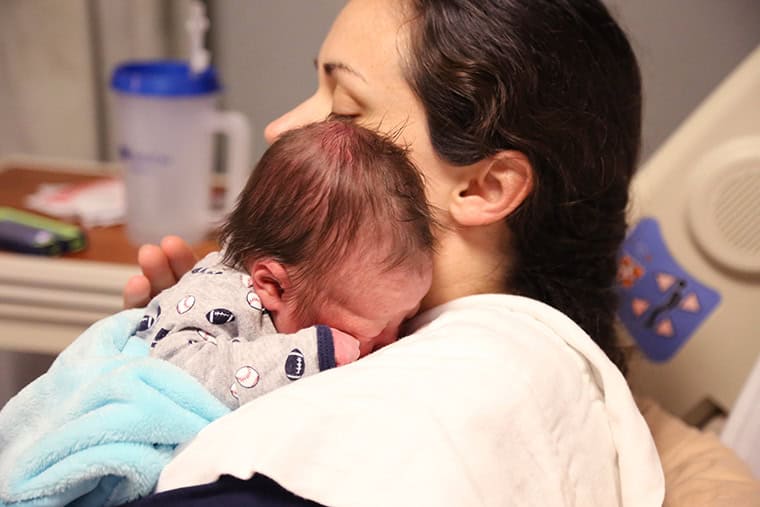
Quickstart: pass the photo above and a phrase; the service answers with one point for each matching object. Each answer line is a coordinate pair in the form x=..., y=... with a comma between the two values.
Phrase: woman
x=524, y=118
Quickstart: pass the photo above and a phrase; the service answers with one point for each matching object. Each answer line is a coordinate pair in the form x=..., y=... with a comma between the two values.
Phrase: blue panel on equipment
x=661, y=304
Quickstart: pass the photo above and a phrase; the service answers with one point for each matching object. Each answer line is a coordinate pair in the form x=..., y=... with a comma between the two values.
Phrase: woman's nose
x=311, y=110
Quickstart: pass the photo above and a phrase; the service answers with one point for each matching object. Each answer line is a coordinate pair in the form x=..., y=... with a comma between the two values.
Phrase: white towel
x=494, y=400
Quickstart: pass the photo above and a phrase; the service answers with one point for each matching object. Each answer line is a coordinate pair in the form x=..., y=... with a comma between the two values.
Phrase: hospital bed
x=691, y=268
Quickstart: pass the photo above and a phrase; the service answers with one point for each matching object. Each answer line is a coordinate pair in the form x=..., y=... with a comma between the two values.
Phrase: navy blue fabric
x=325, y=348
x=258, y=491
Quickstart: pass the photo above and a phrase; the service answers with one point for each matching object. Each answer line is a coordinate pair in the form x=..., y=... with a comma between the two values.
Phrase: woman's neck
x=470, y=260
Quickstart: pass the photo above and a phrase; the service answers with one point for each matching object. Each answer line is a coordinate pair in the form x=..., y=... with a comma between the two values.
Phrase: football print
x=220, y=316
x=159, y=336
x=295, y=365
x=146, y=323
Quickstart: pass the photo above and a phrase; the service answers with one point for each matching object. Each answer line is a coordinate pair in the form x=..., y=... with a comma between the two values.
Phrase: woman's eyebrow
x=330, y=67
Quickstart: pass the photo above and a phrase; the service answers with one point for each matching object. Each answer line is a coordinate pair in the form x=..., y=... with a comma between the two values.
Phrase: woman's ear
x=270, y=281
x=493, y=189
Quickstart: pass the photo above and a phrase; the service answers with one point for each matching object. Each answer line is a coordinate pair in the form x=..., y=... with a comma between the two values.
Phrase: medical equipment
x=197, y=26
x=701, y=190
x=167, y=116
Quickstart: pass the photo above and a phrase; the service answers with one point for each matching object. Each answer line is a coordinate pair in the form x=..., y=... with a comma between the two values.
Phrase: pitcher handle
x=238, y=131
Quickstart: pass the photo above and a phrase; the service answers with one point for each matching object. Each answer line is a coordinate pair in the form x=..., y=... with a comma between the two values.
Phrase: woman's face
x=360, y=75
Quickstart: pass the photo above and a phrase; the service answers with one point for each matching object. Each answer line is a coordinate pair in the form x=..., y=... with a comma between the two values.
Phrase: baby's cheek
x=365, y=348
x=385, y=338
x=367, y=345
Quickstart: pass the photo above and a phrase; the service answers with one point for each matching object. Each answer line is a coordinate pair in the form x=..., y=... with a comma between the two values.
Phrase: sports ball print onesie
x=212, y=324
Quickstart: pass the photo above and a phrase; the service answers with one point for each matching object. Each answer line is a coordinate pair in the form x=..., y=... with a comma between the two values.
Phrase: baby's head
x=334, y=228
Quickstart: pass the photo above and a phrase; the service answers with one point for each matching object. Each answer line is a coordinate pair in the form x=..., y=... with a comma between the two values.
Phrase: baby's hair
x=323, y=193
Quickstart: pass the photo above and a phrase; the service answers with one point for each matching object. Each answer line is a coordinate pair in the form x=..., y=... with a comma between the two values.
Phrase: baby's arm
x=213, y=325
x=239, y=370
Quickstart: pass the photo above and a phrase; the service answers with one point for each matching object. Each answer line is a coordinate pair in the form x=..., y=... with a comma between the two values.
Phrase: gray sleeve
x=213, y=325
x=237, y=371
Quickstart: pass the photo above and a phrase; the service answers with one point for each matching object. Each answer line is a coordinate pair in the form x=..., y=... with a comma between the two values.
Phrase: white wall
x=56, y=60
x=265, y=53
x=685, y=48
x=265, y=49
x=46, y=80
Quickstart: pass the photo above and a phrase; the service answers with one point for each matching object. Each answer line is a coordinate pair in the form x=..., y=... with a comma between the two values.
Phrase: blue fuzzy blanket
x=99, y=426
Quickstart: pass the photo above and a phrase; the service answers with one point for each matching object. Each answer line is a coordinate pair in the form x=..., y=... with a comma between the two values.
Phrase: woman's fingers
x=179, y=255
x=137, y=292
x=156, y=268
x=161, y=266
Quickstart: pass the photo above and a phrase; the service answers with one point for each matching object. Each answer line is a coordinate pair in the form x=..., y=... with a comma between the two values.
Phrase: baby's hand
x=346, y=347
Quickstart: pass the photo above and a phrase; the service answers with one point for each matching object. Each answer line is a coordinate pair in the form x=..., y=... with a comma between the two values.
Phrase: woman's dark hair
x=558, y=81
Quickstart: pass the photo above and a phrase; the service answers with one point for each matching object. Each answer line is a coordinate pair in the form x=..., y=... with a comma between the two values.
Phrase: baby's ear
x=270, y=281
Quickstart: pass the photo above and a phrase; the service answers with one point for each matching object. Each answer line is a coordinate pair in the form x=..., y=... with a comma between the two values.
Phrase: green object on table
x=70, y=237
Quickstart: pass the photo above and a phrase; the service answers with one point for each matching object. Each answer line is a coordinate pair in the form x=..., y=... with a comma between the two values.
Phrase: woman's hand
x=161, y=266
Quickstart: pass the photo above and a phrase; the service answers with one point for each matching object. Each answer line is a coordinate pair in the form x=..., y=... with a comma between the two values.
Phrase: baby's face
x=376, y=304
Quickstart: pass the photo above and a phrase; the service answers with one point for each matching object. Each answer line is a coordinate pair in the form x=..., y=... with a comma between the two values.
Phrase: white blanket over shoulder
x=494, y=400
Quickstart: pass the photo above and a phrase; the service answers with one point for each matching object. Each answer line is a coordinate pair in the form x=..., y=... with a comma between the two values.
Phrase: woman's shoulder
x=567, y=381
x=493, y=306
x=523, y=339
x=503, y=321
x=519, y=348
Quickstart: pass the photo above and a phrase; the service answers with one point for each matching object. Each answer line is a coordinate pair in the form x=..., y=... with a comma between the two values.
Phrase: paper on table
x=97, y=203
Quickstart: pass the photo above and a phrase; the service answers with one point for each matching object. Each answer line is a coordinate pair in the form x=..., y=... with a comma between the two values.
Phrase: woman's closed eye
x=344, y=105
x=337, y=116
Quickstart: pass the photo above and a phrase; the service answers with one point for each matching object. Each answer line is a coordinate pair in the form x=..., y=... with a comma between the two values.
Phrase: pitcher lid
x=165, y=78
